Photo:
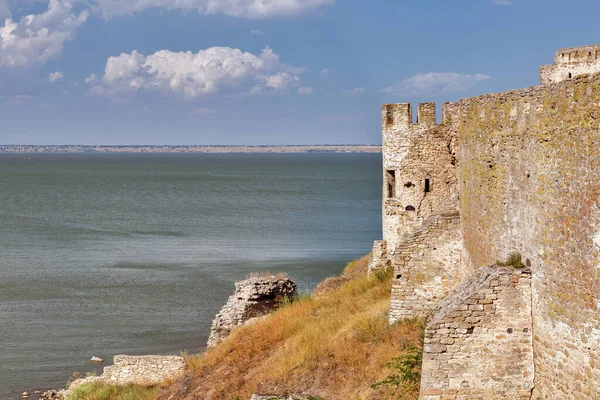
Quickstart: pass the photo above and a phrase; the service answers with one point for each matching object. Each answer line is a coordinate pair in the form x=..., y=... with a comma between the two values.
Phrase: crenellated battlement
x=401, y=114
x=396, y=114
x=581, y=54
x=426, y=114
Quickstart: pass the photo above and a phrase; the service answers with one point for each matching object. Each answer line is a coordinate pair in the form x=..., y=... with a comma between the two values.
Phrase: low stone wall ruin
x=479, y=340
x=139, y=370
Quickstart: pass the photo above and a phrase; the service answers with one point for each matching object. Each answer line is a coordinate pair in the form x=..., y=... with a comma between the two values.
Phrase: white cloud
x=280, y=80
x=55, y=76
x=195, y=74
x=305, y=90
x=436, y=83
x=355, y=91
x=325, y=72
x=502, y=2
x=92, y=79
x=39, y=38
x=252, y=9
x=258, y=32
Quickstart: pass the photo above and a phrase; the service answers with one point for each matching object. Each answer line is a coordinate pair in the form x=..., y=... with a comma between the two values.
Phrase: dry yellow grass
x=354, y=269
x=332, y=346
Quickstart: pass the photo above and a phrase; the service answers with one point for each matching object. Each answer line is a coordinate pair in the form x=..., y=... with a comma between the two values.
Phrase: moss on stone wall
x=529, y=165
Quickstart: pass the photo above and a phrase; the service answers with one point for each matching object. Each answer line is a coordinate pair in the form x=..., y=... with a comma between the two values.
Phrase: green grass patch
x=106, y=391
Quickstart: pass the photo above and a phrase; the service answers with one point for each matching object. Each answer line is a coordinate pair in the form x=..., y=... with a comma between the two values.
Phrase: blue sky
x=261, y=71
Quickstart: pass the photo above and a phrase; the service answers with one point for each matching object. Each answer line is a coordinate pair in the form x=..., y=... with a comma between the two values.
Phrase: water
x=133, y=253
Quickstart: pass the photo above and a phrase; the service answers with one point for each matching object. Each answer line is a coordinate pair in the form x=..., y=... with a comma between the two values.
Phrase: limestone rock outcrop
x=253, y=298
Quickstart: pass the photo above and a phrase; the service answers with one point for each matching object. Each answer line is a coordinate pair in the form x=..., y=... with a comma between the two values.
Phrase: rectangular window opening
x=427, y=186
x=390, y=176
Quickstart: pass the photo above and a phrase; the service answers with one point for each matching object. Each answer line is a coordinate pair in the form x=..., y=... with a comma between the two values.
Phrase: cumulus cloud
x=258, y=32
x=194, y=74
x=253, y=9
x=41, y=37
x=305, y=90
x=55, y=76
x=436, y=83
x=355, y=91
x=502, y=2
x=325, y=72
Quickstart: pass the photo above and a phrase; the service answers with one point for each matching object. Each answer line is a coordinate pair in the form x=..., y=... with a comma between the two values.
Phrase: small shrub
x=287, y=301
x=407, y=374
x=514, y=260
x=383, y=274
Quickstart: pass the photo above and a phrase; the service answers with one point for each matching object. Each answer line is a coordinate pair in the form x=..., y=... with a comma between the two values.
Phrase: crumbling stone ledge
x=253, y=298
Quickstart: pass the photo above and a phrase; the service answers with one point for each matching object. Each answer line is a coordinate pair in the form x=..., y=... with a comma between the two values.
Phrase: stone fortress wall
x=513, y=172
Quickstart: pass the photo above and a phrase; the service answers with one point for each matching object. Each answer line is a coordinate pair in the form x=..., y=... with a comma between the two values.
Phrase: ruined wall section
x=569, y=63
x=419, y=162
x=478, y=341
x=138, y=370
x=427, y=267
x=529, y=167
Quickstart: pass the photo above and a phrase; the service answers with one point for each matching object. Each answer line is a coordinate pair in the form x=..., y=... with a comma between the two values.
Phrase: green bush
x=514, y=260
x=407, y=372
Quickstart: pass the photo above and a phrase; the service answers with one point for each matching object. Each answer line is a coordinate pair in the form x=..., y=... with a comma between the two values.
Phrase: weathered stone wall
x=569, y=63
x=419, y=167
x=478, y=341
x=143, y=370
x=529, y=165
x=140, y=370
x=380, y=260
x=427, y=267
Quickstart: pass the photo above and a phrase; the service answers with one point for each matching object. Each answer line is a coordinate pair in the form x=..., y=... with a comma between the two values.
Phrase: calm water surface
x=131, y=253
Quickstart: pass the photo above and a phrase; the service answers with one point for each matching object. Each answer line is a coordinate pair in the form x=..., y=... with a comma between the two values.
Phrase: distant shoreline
x=190, y=149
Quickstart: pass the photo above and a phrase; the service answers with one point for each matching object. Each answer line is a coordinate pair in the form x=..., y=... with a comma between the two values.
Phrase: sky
x=261, y=72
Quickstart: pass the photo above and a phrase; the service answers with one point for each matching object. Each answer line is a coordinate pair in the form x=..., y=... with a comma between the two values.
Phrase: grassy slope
x=333, y=345
x=105, y=391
